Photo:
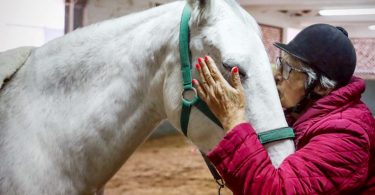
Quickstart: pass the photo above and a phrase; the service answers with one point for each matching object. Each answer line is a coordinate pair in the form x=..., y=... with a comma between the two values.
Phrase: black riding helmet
x=326, y=49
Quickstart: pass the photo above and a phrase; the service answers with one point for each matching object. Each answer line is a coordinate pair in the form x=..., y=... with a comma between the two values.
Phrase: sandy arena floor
x=164, y=166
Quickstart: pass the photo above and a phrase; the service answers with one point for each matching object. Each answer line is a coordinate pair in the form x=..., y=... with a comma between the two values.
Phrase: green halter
x=185, y=56
x=187, y=103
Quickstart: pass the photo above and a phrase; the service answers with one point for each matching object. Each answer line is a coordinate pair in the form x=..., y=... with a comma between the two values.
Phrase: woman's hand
x=226, y=101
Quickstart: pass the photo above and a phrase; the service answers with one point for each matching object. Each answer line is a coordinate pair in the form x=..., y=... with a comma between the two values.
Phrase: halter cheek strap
x=193, y=99
x=185, y=56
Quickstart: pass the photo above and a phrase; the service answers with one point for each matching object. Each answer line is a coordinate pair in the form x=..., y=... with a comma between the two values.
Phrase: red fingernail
x=198, y=66
x=206, y=58
x=194, y=81
x=200, y=60
x=235, y=69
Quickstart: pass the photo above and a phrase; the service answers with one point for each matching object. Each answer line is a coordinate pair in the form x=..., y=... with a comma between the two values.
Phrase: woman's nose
x=277, y=76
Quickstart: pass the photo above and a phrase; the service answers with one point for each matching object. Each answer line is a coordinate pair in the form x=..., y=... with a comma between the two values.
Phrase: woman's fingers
x=206, y=72
x=236, y=79
x=203, y=84
x=215, y=73
x=201, y=92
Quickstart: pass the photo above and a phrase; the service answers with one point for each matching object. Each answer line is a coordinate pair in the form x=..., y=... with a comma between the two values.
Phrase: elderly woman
x=335, y=131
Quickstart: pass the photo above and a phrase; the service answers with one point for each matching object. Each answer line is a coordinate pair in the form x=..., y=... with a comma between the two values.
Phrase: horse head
x=226, y=32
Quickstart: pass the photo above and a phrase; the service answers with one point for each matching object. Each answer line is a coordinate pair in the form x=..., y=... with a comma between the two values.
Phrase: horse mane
x=133, y=20
x=103, y=30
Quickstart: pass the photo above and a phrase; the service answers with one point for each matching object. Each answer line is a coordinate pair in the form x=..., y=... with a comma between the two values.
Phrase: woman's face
x=290, y=81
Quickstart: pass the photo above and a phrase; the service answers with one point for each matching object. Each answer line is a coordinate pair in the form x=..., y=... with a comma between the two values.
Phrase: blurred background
x=35, y=22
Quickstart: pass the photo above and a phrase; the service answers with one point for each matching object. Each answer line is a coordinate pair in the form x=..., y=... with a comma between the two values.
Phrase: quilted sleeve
x=332, y=162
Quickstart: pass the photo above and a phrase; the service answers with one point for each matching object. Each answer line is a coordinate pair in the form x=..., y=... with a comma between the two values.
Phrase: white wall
x=290, y=33
x=30, y=22
x=273, y=17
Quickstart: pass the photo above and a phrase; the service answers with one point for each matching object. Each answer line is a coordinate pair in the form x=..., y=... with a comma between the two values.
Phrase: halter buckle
x=189, y=95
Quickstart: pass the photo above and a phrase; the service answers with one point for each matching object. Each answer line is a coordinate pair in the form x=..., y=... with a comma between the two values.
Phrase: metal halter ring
x=187, y=97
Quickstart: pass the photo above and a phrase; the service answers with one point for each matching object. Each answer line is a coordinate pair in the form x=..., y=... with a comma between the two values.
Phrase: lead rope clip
x=221, y=185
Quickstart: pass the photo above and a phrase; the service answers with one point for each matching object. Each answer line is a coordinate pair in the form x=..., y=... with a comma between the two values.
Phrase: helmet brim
x=291, y=51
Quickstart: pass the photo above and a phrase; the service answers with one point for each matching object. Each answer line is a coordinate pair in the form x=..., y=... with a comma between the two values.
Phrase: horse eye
x=229, y=68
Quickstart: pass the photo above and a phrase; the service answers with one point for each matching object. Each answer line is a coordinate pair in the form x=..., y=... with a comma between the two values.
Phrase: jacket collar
x=335, y=101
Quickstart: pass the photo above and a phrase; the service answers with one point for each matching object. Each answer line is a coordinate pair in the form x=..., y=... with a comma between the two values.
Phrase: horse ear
x=200, y=3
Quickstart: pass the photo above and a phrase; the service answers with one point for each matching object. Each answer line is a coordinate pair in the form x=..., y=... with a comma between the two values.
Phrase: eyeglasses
x=285, y=68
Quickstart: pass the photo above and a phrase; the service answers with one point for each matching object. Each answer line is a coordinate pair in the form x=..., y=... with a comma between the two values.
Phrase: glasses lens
x=278, y=63
x=286, y=70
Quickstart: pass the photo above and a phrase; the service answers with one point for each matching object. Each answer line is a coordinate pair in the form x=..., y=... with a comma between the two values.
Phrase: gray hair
x=312, y=77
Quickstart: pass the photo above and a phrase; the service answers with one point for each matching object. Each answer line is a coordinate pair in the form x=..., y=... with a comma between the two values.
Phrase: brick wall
x=365, y=48
x=271, y=34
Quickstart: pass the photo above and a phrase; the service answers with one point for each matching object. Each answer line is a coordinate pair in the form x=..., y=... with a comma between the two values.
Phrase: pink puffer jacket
x=335, y=151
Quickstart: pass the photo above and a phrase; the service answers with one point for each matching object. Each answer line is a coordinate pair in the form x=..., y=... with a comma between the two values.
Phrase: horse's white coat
x=83, y=103
x=11, y=61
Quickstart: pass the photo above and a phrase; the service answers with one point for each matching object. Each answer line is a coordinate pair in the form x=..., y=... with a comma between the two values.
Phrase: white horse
x=82, y=104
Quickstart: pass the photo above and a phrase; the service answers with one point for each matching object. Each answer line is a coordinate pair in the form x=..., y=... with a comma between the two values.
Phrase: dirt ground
x=168, y=165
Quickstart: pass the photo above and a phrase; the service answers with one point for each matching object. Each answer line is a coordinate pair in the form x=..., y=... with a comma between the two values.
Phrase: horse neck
x=137, y=45
x=265, y=111
x=120, y=63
